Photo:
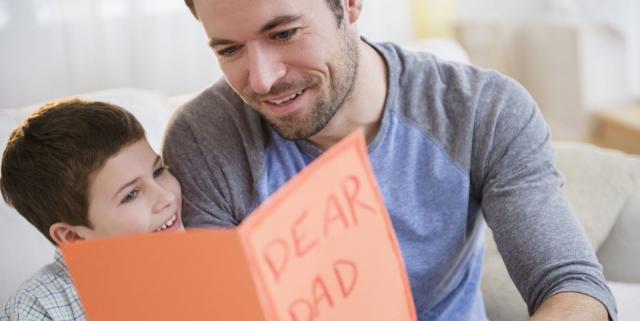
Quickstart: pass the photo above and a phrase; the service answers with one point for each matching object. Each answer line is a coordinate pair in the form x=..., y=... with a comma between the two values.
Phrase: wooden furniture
x=619, y=128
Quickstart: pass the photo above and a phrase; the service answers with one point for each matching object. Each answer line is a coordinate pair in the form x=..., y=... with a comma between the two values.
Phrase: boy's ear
x=64, y=233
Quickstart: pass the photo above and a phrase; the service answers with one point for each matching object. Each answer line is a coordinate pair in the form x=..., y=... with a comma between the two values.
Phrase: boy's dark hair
x=51, y=157
x=334, y=5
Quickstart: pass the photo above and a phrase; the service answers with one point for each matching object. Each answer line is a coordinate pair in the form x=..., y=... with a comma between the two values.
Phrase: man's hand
x=568, y=306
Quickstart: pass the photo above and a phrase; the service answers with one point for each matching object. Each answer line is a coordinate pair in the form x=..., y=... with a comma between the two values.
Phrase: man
x=447, y=142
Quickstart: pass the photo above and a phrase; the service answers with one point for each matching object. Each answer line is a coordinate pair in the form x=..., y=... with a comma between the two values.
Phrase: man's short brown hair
x=334, y=5
x=50, y=158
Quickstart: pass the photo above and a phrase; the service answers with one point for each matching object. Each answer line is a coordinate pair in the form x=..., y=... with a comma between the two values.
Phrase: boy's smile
x=169, y=225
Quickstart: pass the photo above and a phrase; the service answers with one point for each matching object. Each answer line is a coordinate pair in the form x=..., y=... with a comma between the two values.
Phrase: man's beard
x=301, y=124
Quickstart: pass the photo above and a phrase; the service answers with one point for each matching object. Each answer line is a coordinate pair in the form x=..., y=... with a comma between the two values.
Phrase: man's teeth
x=167, y=224
x=285, y=99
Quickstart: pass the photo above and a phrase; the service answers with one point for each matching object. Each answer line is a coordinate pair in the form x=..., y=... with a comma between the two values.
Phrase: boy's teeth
x=167, y=224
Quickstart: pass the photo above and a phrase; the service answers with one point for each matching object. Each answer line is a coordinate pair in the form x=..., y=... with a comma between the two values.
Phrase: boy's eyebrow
x=131, y=182
x=272, y=24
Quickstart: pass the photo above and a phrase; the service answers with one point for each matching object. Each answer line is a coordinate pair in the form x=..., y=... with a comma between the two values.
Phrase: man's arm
x=569, y=306
x=541, y=242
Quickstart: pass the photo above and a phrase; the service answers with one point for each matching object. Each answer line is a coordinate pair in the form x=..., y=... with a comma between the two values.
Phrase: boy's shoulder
x=48, y=295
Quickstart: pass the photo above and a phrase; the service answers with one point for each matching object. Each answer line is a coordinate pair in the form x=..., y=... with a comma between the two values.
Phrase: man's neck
x=365, y=105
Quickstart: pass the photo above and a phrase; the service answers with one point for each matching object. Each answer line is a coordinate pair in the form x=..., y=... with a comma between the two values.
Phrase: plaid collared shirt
x=49, y=295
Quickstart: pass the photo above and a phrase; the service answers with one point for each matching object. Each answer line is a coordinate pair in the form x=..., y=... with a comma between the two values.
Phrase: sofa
x=603, y=187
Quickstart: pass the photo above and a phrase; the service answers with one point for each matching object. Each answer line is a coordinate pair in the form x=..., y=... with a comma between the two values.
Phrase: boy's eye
x=130, y=197
x=284, y=35
x=159, y=171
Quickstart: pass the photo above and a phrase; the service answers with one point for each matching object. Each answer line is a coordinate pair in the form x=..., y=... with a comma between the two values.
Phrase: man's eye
x=130, y=197
x=284, y=35
x=228, y=52
x=159, y=171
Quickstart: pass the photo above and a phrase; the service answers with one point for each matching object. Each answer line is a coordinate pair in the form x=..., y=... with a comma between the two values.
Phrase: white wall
x=574, y=56
x=385, y=20
x=50, y=49
x=621, y=16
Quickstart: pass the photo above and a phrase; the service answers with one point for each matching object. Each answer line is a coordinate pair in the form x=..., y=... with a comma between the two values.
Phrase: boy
x=80, y=170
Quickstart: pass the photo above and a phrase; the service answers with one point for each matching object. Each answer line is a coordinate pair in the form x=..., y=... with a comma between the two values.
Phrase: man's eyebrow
x=219, y=41
x=279, y=21
x=275, y=22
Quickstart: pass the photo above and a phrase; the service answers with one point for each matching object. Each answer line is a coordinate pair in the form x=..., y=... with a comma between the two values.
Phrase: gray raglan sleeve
x=203, y=192
x=543, y=246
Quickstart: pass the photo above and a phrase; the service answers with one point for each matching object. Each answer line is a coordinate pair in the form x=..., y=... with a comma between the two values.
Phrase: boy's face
x=133, y=193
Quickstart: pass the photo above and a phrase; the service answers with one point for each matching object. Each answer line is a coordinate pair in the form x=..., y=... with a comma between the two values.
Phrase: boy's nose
x=265, y=67
x=163, y=198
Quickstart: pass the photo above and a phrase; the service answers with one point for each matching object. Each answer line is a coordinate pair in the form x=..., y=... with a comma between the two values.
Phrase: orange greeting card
x=321, y=248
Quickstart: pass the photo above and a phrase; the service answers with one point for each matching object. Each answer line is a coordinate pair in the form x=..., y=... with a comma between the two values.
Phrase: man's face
x=291, y=60
x=133, y=193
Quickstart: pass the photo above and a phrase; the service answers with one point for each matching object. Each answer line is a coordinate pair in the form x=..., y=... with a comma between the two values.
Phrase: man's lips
x=284, y=98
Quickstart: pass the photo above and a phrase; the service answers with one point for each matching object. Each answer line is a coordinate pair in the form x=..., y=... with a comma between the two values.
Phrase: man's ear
x=63, y=233
x=354, y=8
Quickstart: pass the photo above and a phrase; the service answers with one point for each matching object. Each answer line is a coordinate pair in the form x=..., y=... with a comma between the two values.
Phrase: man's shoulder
x=217, y=100
x=427, y=70
x=450, y=102
x=444, y=86
x=216, y=112
x=218, y=131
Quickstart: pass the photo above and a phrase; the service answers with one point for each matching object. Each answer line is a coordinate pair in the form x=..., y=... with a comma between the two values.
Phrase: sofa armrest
x=627, y=298
x=619, y=252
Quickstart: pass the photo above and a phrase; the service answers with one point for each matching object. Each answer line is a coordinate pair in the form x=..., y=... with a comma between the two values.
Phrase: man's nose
x=265, y=67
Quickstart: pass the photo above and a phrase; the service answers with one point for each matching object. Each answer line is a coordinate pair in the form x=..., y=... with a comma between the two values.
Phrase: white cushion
x=628, y=300
x=598, y=183
x=22, y=248
x=179, y=100
x=620, y=253
x=151, y=108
